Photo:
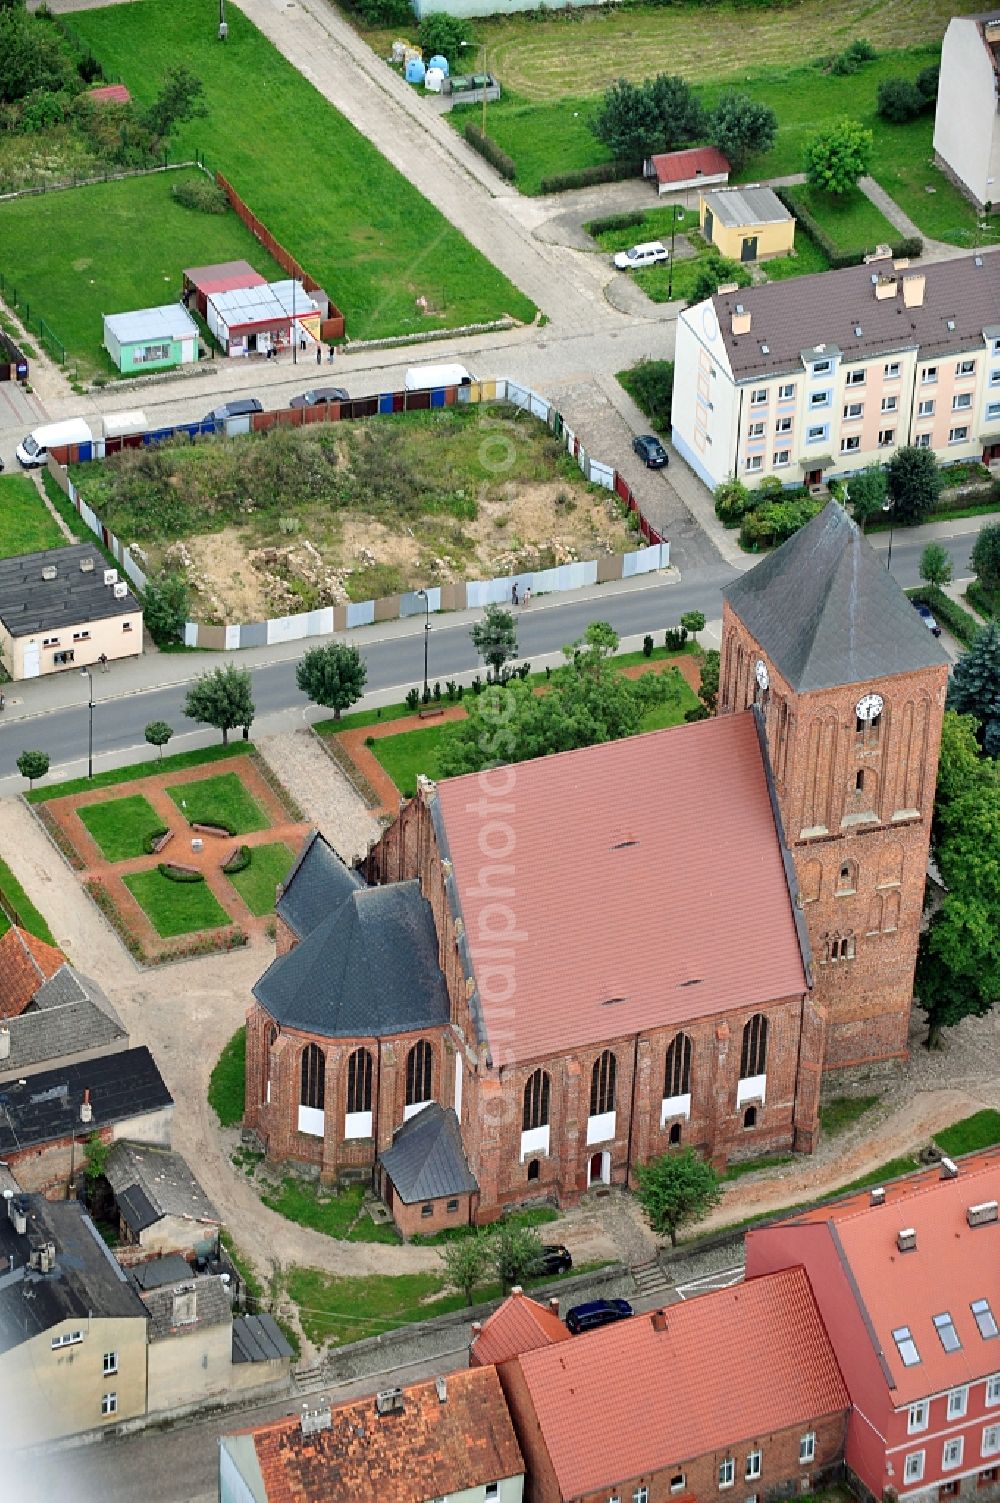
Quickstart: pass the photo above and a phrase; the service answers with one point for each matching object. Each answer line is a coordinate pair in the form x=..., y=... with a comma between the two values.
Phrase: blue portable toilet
x=415, y=71
x=437, y=61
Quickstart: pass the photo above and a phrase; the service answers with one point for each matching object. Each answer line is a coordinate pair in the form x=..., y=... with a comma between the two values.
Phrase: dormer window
x=985, y=1319
x=820, y=367
x=945, y=1327
x=906, y=1346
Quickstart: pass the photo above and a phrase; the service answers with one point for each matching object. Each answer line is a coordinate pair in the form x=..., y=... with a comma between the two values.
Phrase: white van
x=422, y=377
x=124, y=424
x=33, y=450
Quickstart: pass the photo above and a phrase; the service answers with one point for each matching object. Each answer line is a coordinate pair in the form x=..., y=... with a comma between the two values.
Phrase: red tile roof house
x=907, y=1280
x=698, y=167
x=518, y=1325
x=447, y=1439
x=736, y=1393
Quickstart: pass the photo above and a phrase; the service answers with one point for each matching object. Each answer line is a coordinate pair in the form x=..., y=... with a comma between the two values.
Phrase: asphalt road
x=396, y=662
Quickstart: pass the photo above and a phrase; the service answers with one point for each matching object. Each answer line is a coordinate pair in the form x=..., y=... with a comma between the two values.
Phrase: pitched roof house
x=448, y=1438
x=907, y=1279
x=967, y=124
x=518, y=1325
x=695, y=167
x=161, y=1206
x=49, y=1013
x=25, y=962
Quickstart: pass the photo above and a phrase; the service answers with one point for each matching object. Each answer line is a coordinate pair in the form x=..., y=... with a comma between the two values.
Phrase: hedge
x=490, y=149
x=626, y=221
x=153, y=837
x=980, y=599
x=175, y=873
x=948, y=612
x=587, y=177
x=238, y=862
x=908, y=246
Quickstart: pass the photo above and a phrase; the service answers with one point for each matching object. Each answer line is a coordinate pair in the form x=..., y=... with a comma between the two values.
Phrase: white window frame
x=959, y=435
x=641, y=1494
x=807, y=1448
x=913, y=1467
x=961, y=401
x=890, y=404
x=109, y=1404
x=886, y=438
x=110, y=1364
x=929, y=375
x=783, y=425
x=856, y=378
x=786, y=392
x=821, y=367
x=758, y=396
x=993, y=410
x=922, y=441
x=755, y=1460
x=816, y=434
x=891, y=370
x=727, y=1473
x=819, y=398
x=492, y=1491
x=851, y=444
x=965, y=368
x=926, y=408
x=756, y=430
x=854, y=410
x=754, y=463
x=993, y=1390
x=680, y=1485
x=958, y=1403
x=995, y=377
x=782, y=458
x=918, y=1416
x=952, y=1453
x=66, y=1338
x=990, y=1445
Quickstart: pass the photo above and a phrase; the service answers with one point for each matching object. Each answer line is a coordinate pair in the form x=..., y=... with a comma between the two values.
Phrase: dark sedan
x=650, y=451
x=319, y=395
x=555, y=1258
x=598, y=1312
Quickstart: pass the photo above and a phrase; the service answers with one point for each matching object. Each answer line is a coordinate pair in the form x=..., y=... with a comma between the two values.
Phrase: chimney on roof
x=17, y=1212
x=913, y=290
x=880, y=253
x=878, y=1196
x=441, y=1384
x=725, y=287
x=906, y=1239
x=477, y=1327
x=741, y=321
x=314, y=1420
x=885, y=287
x=982, y=1214
x=516, y=1289
x=389, y=1401
x=554, y=1304
x=949, y=1169
x=86, y=1110
x=659, y=1320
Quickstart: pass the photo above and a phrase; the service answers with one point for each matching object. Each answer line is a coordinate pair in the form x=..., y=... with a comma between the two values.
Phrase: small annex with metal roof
x=747, y=223
x=64, y=608
x=151, y=339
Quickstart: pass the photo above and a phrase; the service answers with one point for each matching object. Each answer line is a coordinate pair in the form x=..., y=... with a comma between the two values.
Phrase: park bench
x=430, y=711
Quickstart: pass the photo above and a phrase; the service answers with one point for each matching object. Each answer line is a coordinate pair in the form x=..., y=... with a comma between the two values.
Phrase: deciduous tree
x=222, y=698
x=181, y=98
x=935, y=565
x=516, y=1252
x=165, y=607
x=898, y=100
x=974, y=688
x=741, y=127
x=467, y=1262
x=33, y=765
x=913, y=481
x=627, y=122
x=675, y=1189
x=986, y=556
x=866, y=493
x=333, y=675
x=495, y=637
x=838, y=156
x=679, y=114
x=158, y=733
x=693, y=622
x=444, y=34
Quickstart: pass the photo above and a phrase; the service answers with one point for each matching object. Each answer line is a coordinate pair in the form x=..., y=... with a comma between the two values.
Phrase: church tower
x=851, y=685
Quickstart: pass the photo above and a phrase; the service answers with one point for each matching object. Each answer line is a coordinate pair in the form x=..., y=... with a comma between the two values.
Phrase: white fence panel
x=519, y=395
x=643, y=561
x=319, y=622
x=602, y=474
x=190, y=634
x=483, y=592
x=232, y=638
x=361, y=613
x=569, y=437
x=539, y=407
x=287, y=628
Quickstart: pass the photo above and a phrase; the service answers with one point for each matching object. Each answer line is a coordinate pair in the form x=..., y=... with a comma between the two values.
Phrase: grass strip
x=18, y=906
x=227, y=1082
x=136, y=770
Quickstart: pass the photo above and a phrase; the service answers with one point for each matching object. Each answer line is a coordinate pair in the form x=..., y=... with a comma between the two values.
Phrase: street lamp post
x=223, y=27
x=670, y=269
x=887, y=507
x=427, y=636
x=86, y=673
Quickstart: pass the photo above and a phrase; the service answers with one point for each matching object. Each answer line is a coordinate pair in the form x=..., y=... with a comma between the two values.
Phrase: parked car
x=239, y=407
x=555, y=1258
x=319, y=395
x=652, y=453
x=651, y=253
x=598, y=1312
x=926, y=617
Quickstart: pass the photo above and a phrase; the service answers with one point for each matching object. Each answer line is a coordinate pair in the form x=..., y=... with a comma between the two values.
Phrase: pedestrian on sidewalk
x=332, y=354
x=527, y=595
x=319, y=354
x=513, y=593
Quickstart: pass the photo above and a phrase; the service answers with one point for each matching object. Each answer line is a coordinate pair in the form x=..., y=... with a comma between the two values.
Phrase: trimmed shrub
x=178, y=873
x=588, y=177
x=650, y=384
x=153, y=837
x=927, y=83
x=733, y=501
x=491, y=150
x=647, y=645
x=948, y=612
x=238, y=862
x=607, y=222
x=201, y=194
x=899, y=101
x=776, y=521
x=412, y=699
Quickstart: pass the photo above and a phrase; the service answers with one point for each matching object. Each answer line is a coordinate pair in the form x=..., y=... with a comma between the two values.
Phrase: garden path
x=322, y=792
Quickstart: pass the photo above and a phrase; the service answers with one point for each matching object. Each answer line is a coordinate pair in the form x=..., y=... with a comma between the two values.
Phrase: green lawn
x=842, y=1112
x=25, y=524
x=220, y=800
x=269, y=865
x=18, y=900
x=175, y=907
x=850, y=219
x=336, y=1213
x=324, y=190
x=121, y=827
x=103, y=273
x=981, y=1130
x=227, y=1083
x=137, y=770
x=751, y=1166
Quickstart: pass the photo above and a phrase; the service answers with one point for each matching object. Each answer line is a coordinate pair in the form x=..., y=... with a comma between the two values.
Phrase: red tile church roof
x=728, y=1366
x=622, y=887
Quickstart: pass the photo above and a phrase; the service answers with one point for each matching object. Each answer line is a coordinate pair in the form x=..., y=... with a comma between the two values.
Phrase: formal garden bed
x=163, y=885
x=296, y=518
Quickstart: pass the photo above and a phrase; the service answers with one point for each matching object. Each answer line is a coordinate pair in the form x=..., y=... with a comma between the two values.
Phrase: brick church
x=547, y=973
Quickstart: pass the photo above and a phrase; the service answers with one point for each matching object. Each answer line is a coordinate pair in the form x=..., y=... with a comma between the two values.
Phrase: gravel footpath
x=321, y=791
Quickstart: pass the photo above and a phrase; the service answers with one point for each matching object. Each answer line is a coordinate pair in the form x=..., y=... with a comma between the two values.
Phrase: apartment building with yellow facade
x=818, y=377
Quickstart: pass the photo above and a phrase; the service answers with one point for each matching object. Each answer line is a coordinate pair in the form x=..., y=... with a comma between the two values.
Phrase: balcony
x=601, y=1129
x=754, y=1088
x=358, y=1125
x=535, y=1143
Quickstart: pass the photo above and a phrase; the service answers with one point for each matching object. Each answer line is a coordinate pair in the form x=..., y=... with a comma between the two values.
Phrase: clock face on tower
x=869, y=707
x=761, y=671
